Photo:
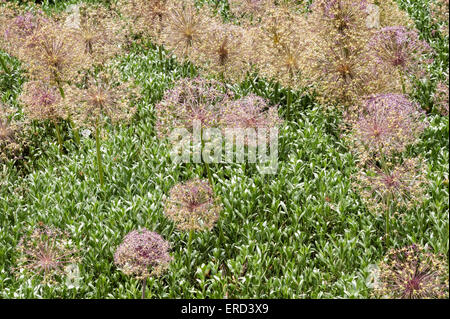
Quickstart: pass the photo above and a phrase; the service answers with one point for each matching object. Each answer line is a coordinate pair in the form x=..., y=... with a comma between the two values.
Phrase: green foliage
x=303, y=233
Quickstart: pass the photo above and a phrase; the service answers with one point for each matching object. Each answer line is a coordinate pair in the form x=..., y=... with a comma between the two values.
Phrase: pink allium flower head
x=191, y=100
x=251, y=111
x=403, y=185
x=46, y=252
x=142, y=254
x=412, y=273
x=400, y=48
x=193, y=206
x=388, y=124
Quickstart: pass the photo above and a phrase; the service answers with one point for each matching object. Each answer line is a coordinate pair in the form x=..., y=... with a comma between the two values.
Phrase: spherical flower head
x=398, y=186
x=223, y=51
x=17, y=28
x=342, y=14
x=441, y=98
x=387, y=124
x=183, y=27
x=54, y=53
x=144, y=16
x=400, y=49
x=102, y=31
x=278, y=46
x=193, y=206
x=42, y=102
x=45, y=252
x=189, y=101
x=250, y=112
x=104, y=97
x=13, y=135
x=143, y=254
x=337, y=60
x=412, y=273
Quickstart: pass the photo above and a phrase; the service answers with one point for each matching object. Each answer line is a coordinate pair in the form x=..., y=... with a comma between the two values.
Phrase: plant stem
x=58, y=136
x=208, y=171
x=144, y=284
x=288, y=104
x=99, y=155
x=402, y=81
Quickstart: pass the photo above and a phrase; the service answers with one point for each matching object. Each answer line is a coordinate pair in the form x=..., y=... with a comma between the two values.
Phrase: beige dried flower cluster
x=184, y=27
x=223, y=51
x=11, y=141
x=103, y=32
x=104, y=97
x=143, y=16
x=43, y=102
x=54, y=54
x=193, y=205
x=391, y=15
x=279, y=43
x=393, y=187
x=337, y=57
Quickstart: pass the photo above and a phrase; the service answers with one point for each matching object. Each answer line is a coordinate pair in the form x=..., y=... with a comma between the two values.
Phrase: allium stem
x=99, y=155
x=208, y=171
x=4, y=66
x=189, y=245
x=144, y=284
x=402, y=81
x=58, y=136
x=288, y=104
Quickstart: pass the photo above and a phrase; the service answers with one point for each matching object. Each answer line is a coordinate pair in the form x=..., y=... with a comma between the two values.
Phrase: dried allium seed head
x=104, y=96
x=189, y=101
x=441, y=97
x=394, y=186
x=102, y=31
x=223, y=51
x=15, y=29
x=412, y=273
x=143, y=254
x=183, y=27
x=337, y=60
x=54, y=53
x=278, y=45
x=144, y=16
x=390, y=14
x=13, y=135
x=249, y=8
x=251, y=111
x=400, y=49
x=386, y=125
x=43, y=102
x=45, y=252
x=193, y=205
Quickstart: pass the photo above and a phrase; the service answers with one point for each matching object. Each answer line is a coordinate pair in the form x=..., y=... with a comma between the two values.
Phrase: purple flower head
x=251, y=111
x=189, y=101
x=413, y=273
x=192, y=205
x=404, y=182
x=45, y=252
x=399, y=48
x=143, y=254
x=388, y=124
